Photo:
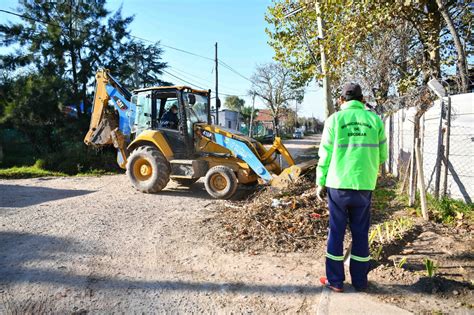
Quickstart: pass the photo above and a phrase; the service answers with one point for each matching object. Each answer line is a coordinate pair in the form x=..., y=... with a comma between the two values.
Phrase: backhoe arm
x=112, y=115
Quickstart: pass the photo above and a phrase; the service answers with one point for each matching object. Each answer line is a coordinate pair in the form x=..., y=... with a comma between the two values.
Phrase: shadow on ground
x=20, y=250
x=197, y=190
x=17, y=196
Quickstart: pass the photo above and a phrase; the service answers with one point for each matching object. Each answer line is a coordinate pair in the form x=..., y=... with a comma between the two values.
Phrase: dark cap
x=352, y=91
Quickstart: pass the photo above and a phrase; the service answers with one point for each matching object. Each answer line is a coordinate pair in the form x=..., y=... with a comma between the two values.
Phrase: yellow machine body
x=204, y=152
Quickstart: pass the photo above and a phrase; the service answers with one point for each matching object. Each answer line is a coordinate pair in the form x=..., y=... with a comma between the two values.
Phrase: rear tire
x=148, y=169
x=221, y=182
x=185, y=181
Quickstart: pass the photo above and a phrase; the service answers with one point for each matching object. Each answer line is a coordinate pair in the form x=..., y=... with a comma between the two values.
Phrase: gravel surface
x=94, y=244
x=82, y=245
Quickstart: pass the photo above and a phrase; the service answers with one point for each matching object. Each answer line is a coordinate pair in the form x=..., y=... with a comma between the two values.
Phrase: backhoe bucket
x=292, y=174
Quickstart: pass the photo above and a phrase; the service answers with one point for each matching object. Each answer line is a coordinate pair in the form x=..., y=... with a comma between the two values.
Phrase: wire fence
x=447, y=146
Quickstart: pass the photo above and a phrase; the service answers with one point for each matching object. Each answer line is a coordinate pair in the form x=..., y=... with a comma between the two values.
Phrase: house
x=230, y=119
x=265, y=118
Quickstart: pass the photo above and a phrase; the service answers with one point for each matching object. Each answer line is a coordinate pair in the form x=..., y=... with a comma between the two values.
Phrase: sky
x=195, y=26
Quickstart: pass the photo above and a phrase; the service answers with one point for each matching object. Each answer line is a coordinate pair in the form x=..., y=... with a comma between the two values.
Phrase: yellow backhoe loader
x=166, y=132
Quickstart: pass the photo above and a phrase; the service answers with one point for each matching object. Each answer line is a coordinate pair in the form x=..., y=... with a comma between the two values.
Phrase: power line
x=199, y=80
x=189, y=78
x=194, y=84
x=190, y=74
x=234, y=71
x=145, y=40
x=171, y=47
x=81, y=31
x=33, y=19
x=175, y=76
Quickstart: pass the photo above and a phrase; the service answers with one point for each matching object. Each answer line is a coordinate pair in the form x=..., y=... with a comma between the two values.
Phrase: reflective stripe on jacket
x=353, y=145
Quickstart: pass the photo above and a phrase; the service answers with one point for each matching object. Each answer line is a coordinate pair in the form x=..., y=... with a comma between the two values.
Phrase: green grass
x=26, y=172
x=382, y=197
x=449, y=210
x=446, y=210
x=34, y=171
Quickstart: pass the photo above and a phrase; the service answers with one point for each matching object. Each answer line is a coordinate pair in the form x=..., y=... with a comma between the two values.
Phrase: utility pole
x=251, y=115
x=329, y=107
x=217, y=87
x=296, y=114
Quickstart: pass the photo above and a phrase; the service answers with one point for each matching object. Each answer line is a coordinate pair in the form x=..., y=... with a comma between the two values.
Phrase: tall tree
x=71, y=39
x=274, y=84
x=141, y=65
x=234, y=103
x=31, y=104
x=246, y=113
x=355, y=25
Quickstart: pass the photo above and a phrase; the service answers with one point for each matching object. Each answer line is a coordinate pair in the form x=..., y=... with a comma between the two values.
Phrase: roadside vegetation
x=18, y=172
x=46, y=87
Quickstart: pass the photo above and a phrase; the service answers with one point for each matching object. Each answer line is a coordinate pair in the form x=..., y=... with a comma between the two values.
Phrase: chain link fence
x=447, y=145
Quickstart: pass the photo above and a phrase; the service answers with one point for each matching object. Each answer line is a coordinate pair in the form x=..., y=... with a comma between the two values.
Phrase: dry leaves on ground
x=285, y=221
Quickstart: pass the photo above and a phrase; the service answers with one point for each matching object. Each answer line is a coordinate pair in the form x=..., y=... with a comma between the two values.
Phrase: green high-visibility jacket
x=353, y=145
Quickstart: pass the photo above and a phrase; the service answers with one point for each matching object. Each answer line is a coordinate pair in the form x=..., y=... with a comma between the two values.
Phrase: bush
x=26, y=172
x=40, y=164
x=448, y=210
x=77, y=158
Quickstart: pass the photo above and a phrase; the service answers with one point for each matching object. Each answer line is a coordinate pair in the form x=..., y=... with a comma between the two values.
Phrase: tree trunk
x=72, y=52
x=276, y=123
x=459, y=48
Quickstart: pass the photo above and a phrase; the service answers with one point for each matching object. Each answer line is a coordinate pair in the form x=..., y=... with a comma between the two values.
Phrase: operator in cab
x=353, y=146
x=170, y=118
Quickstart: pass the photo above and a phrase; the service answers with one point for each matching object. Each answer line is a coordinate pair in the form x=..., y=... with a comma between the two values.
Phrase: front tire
x=148, y=169
x=221, y=182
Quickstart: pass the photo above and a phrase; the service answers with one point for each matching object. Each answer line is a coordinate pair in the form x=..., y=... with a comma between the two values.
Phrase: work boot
x=324, y=281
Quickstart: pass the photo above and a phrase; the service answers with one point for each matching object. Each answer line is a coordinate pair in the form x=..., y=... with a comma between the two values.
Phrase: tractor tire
x=185, y=181
x=148, y=169
x=221, y=182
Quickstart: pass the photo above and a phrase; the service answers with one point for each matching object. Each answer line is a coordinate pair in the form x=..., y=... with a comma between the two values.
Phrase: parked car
x=267, y=139
x=298, y=135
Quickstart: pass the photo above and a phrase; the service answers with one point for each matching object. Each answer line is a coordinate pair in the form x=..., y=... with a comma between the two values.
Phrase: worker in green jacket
x=353, y=146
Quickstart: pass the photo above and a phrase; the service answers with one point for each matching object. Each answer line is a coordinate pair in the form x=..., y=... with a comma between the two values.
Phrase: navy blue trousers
x=353, y=207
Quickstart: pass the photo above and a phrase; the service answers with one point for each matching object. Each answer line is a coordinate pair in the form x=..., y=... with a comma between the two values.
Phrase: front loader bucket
x=292, y=174
x=102, y=133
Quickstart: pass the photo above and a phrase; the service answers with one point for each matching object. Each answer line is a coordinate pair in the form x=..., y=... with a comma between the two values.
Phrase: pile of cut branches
x=286, y=221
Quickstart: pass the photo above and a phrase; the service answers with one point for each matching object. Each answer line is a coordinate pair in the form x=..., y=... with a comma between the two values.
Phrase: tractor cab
x=174, y=111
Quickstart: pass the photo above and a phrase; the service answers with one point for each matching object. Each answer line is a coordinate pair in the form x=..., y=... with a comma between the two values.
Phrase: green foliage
x=391, y=46
x=234, y=103
x=26, y=172
x=376, y=253
x=140, y=65
x=401, y=263
x=448, y=210
x=62, y=45
x=387, y=232
x=40, y=164
x=431, y=267
x=74, y=40
x=76, y=158
x=32, y=106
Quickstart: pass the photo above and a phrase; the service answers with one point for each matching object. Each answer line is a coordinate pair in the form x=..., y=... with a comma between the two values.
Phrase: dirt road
x=93, y=244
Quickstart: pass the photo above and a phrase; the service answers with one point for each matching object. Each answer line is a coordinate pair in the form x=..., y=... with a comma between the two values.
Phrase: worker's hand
x=320, y=192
